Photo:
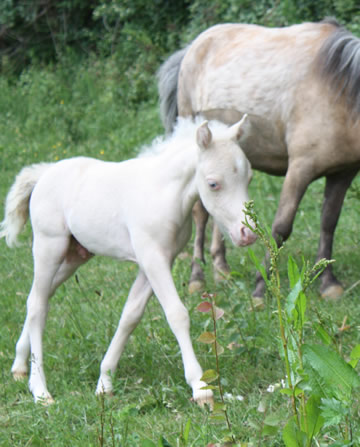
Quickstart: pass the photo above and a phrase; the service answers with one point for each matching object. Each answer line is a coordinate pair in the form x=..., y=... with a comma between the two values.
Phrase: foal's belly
x=105, y=241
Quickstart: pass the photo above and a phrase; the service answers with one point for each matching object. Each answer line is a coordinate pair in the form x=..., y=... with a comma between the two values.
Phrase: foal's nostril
x=247, y=236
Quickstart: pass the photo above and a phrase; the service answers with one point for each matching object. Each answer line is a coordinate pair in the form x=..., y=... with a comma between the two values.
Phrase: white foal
x=138, y=210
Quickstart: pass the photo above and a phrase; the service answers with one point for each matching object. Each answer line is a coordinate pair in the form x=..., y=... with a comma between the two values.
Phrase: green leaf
x=147, y=443
x=333, y=411
x=209, y=387
x=218, y=407
x=291, y=392
x=314, y=421
x=336, y=377
x=187, y=431
x=207, y=337
x=209, y=376
x=274, y=419
x=293, y=272
x=355, y=356
x=322, y=334
x=269, y=430
x=293, y=436
x=292, y=297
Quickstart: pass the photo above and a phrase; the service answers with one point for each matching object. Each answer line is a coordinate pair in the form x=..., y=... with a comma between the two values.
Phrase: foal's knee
x=178, y=318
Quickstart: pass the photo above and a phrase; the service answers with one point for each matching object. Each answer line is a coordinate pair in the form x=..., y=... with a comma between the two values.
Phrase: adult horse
x=300, y=86
x=137, y=210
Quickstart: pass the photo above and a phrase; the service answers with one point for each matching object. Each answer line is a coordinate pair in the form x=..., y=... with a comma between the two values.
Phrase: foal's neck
x=178, y=164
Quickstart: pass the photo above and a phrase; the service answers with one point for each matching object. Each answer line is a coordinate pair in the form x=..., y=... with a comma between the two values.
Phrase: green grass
x=62, y=112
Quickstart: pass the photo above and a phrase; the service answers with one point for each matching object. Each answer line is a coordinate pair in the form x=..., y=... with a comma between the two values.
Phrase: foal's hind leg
x=218, y=251
x=200, y=216
x=335, y=190
x=131, y=315
x=51, y=268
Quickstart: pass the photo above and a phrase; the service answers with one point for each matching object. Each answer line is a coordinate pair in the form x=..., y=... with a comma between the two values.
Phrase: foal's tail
x=17, y=202
x=167, y=85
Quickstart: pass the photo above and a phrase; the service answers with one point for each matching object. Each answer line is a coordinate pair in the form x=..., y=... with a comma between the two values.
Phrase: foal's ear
x=203, y=135
x=237, y=130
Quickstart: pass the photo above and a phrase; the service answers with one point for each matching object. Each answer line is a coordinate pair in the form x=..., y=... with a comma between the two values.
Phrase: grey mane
x=338, y=61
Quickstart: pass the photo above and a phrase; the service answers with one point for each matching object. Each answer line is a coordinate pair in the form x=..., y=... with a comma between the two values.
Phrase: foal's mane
x=184, y=133
x=338, y=61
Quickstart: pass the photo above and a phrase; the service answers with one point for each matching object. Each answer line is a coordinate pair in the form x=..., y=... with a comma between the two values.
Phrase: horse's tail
x=17, y=202
x=167, y=85
x=339, y=63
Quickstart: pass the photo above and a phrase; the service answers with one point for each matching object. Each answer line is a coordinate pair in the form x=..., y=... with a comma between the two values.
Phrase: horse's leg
x=131, y=315
x=335, y=190
x=50, y=270
x=297, y=179
x=158, y=271
x=218, y=251
x=200, y=216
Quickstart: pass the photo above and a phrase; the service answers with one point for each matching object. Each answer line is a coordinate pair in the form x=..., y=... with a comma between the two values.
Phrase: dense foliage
x=138, y=34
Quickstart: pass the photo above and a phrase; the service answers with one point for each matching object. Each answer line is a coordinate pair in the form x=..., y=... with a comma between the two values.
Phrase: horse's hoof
x=196, y=286
x=19, y=375
x=333, y=292
x=257, y=303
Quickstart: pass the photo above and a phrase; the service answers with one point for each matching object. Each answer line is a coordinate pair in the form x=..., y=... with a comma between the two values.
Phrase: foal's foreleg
x=200, y=216
x=159, y=274
x=131, y=315
x=335, y=190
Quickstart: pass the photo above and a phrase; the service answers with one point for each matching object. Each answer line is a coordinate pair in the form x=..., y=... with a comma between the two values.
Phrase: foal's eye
x=214, y=185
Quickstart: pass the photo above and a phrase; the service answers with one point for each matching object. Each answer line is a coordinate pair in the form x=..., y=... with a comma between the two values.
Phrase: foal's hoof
x=205, y=400
x=333, y=292
x=19, y=376
x=44, y=400
x=195, y=286
x=103, y=394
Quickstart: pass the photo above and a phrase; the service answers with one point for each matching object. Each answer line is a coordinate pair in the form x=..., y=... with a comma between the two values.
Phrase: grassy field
x=48, y=115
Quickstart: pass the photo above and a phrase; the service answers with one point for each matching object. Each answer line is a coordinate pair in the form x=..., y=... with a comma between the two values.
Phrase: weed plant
x=76, y=109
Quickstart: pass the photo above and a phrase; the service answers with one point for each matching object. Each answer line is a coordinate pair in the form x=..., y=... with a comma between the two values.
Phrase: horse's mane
x=338, y=61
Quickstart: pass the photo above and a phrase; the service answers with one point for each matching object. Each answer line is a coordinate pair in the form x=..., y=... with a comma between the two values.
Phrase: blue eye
x=214, y=185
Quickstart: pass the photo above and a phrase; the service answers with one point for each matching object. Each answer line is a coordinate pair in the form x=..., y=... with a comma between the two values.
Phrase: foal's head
x=223, y=176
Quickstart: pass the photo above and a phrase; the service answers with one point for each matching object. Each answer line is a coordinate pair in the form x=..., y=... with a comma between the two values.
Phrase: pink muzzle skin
x=244, y=237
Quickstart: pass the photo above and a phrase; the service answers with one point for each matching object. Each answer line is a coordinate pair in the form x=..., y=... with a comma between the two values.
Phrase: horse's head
x=223, y=176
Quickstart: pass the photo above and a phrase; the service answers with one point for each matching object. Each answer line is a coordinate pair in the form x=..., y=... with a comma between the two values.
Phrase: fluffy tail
x=167, y=85
x=17, y=202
